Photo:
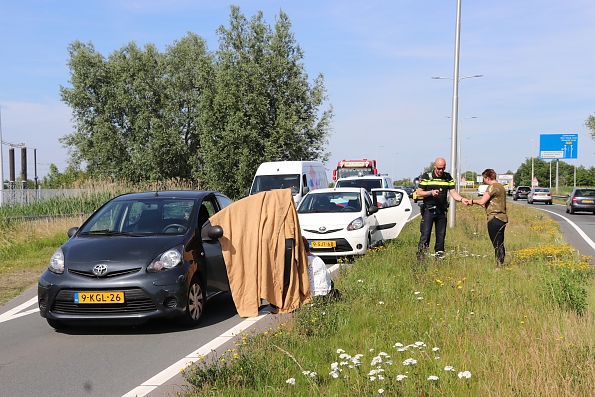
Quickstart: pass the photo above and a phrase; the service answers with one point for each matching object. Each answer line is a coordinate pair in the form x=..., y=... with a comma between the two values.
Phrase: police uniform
x=433, y=210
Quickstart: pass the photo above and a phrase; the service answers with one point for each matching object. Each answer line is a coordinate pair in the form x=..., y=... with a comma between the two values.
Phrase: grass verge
x=449, y=327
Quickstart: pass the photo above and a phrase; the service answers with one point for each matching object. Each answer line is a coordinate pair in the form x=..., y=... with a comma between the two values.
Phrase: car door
x=392, y=217
x=215, y=265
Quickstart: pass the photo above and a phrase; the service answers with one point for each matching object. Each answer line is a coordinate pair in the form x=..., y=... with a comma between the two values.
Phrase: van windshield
x=263, y=183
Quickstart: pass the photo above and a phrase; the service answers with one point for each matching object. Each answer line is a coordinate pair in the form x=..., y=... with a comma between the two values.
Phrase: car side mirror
x=215, y=232
x=372, y=210
x=72, y=231
x=305, y=190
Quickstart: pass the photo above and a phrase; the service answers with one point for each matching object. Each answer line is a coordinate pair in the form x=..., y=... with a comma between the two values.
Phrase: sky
x=377, y=57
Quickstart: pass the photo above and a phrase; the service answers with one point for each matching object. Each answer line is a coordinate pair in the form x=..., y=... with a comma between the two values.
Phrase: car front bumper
x=348, y=243
x=146, y=296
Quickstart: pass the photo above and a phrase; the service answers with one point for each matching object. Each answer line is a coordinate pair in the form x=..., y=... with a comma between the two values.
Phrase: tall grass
x=94, y=193
x=451, y=327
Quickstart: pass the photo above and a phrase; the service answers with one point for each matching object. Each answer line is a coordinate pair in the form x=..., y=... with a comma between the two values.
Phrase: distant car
x=540, y=195
x=481, y=189
x=341, y=222
x=139, y=256
x=521, y=192
x=409, y=189
x=581, y=199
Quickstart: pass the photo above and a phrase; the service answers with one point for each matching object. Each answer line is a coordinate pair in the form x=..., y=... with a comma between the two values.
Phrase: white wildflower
x=449, y=368
x=432, y=377
x=417, y=292
x=291, y=381
x=380, y=391
x=339, y=351
x=465, y=374
x=401, y=377
x=410, y=361
x=435, y=349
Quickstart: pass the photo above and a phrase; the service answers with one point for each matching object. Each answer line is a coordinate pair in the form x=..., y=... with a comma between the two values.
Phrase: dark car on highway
x=521, y=192
x=581, y=199
x=139, y=256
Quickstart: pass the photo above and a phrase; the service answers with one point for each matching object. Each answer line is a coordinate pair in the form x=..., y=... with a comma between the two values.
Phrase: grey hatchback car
x=521, y=192
x=139, y=256
x=581, y=199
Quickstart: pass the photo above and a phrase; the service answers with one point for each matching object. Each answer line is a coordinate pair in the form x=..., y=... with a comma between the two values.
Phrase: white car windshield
x=331, y=202
x=366, y=183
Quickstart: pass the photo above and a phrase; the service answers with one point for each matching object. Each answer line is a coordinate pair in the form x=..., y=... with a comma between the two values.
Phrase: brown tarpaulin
x=253, y=245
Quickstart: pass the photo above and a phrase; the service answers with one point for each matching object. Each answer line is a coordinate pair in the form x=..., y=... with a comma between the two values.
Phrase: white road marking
x=14, y=313
x=191, y=358
x=578, y=230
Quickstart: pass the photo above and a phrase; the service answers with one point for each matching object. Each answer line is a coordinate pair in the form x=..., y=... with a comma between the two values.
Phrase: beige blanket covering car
x=253, y=245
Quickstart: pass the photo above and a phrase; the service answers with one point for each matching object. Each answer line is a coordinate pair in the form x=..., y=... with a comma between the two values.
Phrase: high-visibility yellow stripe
x=436, y=182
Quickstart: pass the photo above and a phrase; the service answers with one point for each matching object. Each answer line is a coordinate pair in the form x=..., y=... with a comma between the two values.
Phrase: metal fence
x=28, y=196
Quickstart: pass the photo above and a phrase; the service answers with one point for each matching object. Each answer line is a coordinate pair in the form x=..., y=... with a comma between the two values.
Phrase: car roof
x=364, y=177
x=337, y=189
x=181, y=194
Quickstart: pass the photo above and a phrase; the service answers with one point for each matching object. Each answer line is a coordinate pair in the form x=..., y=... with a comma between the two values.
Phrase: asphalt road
x=36, y=360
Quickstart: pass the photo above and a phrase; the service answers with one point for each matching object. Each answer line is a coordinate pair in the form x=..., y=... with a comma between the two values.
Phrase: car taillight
x=574, y=199
x=549, y=194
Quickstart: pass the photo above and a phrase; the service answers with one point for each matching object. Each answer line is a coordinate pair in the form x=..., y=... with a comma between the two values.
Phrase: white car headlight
x=168, y=260
x=355, y=224
x=57, y=262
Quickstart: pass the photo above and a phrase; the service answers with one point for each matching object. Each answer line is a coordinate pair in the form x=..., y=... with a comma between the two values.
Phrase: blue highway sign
x=558, y=146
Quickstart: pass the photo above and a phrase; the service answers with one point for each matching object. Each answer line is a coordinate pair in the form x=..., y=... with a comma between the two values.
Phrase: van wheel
x=195, y=302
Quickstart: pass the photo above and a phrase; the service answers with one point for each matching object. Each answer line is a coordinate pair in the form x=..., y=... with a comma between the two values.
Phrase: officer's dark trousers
x=496, y=231
x=428, y=219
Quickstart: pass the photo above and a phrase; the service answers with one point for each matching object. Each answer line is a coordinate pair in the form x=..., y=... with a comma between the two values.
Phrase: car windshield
x=366, y=183
x=331, y=202
x=263, y=183
x=140, y=217
x=541, y=190
x=585, y=192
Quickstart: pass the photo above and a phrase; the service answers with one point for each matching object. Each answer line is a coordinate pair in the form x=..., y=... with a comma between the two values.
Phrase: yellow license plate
x=587, y=201
x=98, y=297
x=324, y=244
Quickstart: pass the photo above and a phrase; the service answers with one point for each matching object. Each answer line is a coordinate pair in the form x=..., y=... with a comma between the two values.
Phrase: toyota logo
x=322, y=229
x=100, y=270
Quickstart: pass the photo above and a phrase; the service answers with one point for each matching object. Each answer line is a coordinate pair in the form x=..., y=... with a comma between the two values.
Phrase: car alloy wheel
x=195, y=302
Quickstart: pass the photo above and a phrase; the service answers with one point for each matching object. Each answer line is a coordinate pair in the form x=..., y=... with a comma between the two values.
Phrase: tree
x=590, y=124
x=136, y=112
x=260, y=105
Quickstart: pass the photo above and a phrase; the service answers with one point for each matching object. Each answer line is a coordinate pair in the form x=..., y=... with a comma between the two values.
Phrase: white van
x=300, y=176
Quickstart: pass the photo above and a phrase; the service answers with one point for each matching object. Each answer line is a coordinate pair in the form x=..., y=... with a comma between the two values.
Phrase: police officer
x=433, y=188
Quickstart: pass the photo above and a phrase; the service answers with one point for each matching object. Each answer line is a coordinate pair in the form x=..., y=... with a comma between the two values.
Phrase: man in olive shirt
x=433, y=188
x=494, y=201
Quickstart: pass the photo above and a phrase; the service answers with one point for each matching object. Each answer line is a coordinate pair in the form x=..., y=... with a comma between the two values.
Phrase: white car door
x=392, y=217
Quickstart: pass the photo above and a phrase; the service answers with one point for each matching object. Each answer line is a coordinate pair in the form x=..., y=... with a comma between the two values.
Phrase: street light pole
x=459, y=171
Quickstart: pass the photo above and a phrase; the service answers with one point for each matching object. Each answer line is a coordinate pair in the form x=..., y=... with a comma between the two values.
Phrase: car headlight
x=57, y=262
x=355, y=224
x=168, y=260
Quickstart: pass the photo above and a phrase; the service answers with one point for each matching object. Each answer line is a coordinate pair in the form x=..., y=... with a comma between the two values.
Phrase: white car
x=345, y=222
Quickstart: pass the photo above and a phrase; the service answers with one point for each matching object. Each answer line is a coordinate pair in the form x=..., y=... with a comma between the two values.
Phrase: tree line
x=189, y=113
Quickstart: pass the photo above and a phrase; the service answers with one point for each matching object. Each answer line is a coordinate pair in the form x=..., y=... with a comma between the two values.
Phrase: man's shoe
x=439, y=255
